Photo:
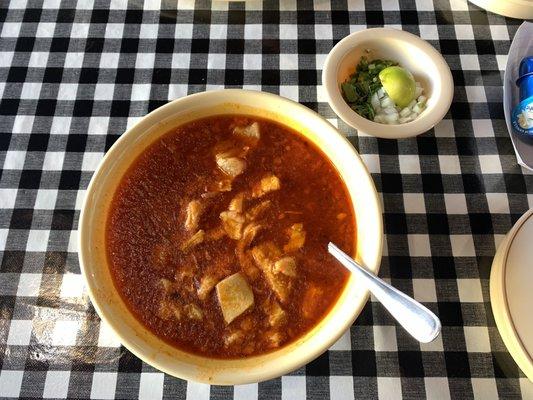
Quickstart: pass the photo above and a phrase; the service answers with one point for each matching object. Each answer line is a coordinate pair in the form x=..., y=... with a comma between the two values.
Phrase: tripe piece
x=194, y=240
x=236, y=204
x=207, y=283
x=232, y=166
x=267, y=184
x=285, y=266
x=296, y=238
x=263, y=255
x=257, y=210
x=232, y=222
x=194, y=211
x=250, y=131
x=234, y=296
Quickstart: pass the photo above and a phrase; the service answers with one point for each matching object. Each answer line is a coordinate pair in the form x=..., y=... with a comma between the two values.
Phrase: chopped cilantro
x=359, y=87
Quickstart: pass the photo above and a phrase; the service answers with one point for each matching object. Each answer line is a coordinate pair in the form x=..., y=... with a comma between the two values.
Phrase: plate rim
x=500, y=304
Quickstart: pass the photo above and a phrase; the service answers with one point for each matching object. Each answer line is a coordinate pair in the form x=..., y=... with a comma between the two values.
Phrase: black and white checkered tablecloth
x=74, y=75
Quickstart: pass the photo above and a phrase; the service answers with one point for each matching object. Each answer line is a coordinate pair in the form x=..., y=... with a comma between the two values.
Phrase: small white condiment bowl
x=418, y=56
x=130, y=145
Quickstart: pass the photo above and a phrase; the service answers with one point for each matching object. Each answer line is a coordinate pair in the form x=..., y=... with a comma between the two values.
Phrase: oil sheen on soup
x=217, y=236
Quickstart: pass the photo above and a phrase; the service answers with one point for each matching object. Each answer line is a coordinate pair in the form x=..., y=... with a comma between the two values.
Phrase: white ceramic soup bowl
x=425, y=63
x=149, y=347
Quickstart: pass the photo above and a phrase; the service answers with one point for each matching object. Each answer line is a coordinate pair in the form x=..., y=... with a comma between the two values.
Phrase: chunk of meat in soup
x=249, y=131
x=194, y=211
x=264, y=256
x=285, y=266
x=296, y=238
x=232, y=166
x=232, y=222
x=267, y=184
x=235, y=296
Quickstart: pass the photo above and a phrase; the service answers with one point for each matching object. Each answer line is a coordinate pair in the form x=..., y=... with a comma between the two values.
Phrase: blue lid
x=525, y=69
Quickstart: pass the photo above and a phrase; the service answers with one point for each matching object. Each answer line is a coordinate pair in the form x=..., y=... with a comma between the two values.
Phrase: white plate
x=521, y=9
x=511, y=294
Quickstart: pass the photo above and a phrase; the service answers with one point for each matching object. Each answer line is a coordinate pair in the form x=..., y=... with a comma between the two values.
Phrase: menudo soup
x=217, y=236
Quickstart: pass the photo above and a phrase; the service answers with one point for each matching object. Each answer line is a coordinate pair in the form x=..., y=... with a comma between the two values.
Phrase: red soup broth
x=229, y=196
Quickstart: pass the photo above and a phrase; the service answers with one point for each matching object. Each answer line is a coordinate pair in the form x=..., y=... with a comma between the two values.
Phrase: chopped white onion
x=418, y=108
x=374, y=100
x=387, y=102
x=391, y=118
x=386, y=111
x=405, y=112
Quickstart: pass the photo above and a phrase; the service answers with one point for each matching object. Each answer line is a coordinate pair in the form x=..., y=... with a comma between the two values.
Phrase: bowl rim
x=144, y=353
x=422, y=124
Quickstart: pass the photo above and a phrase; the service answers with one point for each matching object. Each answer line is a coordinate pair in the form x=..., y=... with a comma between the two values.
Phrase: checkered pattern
x=74, y=75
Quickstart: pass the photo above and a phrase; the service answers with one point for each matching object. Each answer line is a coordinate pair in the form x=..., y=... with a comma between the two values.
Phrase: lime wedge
x=399, y=85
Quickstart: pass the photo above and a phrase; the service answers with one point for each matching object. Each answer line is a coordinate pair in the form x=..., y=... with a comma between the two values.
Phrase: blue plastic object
x=522, y=116
x=525, y=80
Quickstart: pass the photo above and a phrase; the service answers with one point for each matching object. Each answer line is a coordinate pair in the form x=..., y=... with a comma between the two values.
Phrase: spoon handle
x=416, y=319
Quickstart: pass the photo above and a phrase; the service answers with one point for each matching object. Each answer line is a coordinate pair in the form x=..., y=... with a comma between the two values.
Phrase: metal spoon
x=416, y=319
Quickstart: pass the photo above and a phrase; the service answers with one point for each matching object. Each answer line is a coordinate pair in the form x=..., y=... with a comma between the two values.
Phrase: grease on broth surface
x=217, y=236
